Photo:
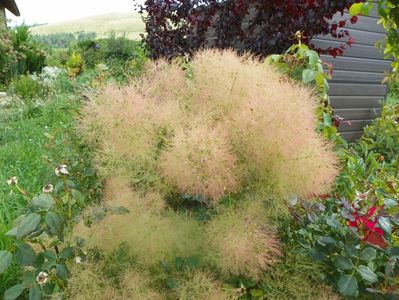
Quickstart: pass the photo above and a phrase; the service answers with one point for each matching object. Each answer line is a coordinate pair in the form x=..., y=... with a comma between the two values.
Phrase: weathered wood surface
x=356, y=89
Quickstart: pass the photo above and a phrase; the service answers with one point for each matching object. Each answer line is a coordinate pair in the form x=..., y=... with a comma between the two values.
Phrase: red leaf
x=354, y=19
x=376, y=240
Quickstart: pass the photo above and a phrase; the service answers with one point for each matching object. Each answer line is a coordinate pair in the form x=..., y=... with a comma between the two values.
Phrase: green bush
x=31, y=54
x=123, y=57
x=8, y=57
x=26, y=87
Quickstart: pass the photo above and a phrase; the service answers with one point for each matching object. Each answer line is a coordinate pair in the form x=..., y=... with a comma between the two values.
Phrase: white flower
x=78, y=260
x=3, y=94
x=61, y=170
x=12, y=181
x=48, y=188
x=42, y=278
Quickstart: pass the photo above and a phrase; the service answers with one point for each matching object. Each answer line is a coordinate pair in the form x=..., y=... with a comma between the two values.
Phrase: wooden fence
x=356, y=90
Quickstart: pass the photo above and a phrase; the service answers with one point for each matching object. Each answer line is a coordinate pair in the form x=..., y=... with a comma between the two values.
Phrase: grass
x=30, y=147
x=120, y=23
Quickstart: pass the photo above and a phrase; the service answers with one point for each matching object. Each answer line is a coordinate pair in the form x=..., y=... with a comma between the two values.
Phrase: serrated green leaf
x=35, y=293
x=343, y=263
x=368, y=254
x=367, y=274
x=54, y=223
x=28, y=225
x=14, y=292
x=5, y=260
x=25, y=255
x=347, y=285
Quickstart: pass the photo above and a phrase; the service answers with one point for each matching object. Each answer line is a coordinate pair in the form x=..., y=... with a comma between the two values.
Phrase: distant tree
x=178, y=27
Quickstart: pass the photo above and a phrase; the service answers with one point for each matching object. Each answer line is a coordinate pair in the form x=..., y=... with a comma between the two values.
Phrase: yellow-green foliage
x=240, y=242
x=75, y=64
x=88, y=283
x=223, y=123
x=152, y=234
x=200, y=285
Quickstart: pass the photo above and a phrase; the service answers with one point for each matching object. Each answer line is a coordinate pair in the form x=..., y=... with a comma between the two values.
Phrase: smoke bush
x=212, y=127
x=239, y=243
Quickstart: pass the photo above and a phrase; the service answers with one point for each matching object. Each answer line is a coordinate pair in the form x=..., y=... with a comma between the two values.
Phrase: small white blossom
x=42, y=278
x=78, y=260
x=12, y=181
x=48, y=188
x=61, y=170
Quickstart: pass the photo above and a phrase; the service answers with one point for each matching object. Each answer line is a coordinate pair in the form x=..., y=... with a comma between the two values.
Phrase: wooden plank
x=358, y=113
x=357, y=77
x=357, y=64
x=352, y=136
x=361, y=51
x=354, y=125
x=345, y=102
x=363, y=23
x=350, y=89
x=360, y=37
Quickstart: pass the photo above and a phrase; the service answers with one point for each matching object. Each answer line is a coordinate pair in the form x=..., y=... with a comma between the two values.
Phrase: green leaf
x=5, y=260
x=324, y=240
x=62, y=272
x=257, y=293
x=388, y=203
x=28, y=225
x=385, y=224
x=67, y=253
x=14, y=292
x=347, y=285
x=351, y=251
x=44, y=201
x=368, y=254
x=343, y=263
x=367, y=274
x=13, y=232
x=394, y=251
x=54, y=223
x=360, y=8
x=25, y=255
x=313, y=57
x=78, y=197
x=35, y=293
x=308, y=75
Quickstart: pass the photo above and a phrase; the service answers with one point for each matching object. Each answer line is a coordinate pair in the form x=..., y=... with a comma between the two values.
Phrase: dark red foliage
x=366, y=226
x=179, y=27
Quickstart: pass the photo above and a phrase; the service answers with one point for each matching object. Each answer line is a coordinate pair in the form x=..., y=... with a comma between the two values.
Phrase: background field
x=120, y=23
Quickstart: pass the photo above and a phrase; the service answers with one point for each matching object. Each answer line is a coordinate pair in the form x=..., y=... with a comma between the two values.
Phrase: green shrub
x=75, y=64
x=31, y=54
x=27, y=88
x=8, y=57
x=125, y=58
